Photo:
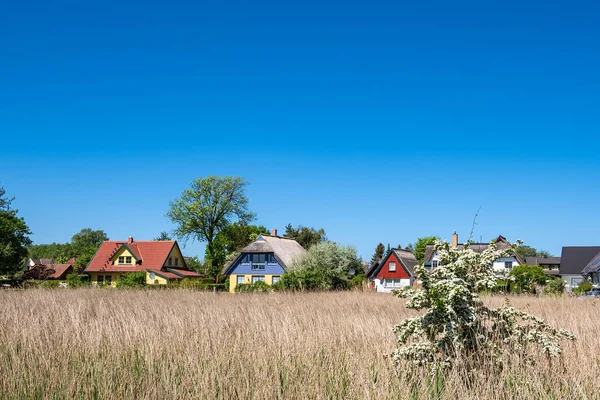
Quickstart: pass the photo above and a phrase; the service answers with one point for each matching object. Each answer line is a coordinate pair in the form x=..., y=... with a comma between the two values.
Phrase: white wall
x=380, y=288
x=567, y=278
x=499, y=263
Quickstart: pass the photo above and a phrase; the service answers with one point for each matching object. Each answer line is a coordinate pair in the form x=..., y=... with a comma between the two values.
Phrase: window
x=258, y=279
x=392, y=266
x=108, y=279
x=152, y=275
x=170, y=261
x=434, y=264
x=100, y=279
x=258, y=262
x=276, y=279
x=241, y=279
x=508, y=264
x=576, y=281
x=176, y=261
x=121, y=260
x=127, y=260
x=392, y=283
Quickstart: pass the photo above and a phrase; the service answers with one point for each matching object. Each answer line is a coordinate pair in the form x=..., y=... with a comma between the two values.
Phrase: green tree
x=420, y=245
x=164, y=236
x=88, y=238
x=194, y=264
x=325, y=266
x=207, y=208
x=305, y=236
x=527, y=276
x=379, y=253
x=232, y=239
x=14, y=237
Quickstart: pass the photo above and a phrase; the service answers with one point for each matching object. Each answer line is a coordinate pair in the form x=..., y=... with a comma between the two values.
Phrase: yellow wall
x=175, y=253
x=248, y=280
x=158, y=280
x=115, y=277
x=123, y=253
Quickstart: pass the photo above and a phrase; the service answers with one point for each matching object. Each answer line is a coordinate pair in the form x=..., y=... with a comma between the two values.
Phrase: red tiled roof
x=59, y=270
x=184, y=273
x=165, y=274
x=151, y=253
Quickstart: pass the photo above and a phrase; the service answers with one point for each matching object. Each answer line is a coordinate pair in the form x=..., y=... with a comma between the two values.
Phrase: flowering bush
x=457, y=327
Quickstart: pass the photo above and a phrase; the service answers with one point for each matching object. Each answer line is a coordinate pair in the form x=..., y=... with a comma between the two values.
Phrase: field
x=95, y=343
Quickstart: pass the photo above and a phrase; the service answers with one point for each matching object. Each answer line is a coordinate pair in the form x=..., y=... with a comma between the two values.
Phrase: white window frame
x=128, y=260
x=435, y=264
x=241, y=278
x=390, y=264
x=121, y=260
x=275, y=279
x=506, y=264
x=256, y=278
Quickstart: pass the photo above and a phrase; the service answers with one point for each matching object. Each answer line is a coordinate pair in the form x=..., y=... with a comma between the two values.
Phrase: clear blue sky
x=379, y=122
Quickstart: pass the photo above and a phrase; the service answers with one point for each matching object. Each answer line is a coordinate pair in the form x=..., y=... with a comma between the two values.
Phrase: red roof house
x=394, y=271
x=160, y=259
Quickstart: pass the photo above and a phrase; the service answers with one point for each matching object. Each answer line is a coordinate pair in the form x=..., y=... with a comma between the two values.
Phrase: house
x=431, y=260
x=50, y=271
x=160, y=259
x=263, y=260
x=551, y=265
x=394, y=271
x=574, y=261
x=60, y=270
x=592, y=270
x=32, y=262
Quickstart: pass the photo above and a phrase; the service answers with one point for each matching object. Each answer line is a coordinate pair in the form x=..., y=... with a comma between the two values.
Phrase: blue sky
x=379, y=122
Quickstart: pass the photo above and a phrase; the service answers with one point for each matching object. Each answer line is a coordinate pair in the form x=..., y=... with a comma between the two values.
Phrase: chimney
x=274, y=232
x=455, y=240
x=130, y=240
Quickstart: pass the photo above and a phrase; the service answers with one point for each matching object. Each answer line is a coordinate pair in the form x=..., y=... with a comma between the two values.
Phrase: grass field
x=175, y=344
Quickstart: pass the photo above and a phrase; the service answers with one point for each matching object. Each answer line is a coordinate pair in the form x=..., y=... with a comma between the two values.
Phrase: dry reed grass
x=94, y=343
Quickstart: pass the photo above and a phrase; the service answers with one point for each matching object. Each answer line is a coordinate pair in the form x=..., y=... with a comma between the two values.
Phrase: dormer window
x=124, y=260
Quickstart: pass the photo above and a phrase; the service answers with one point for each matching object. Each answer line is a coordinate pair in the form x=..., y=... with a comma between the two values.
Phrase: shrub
x=526, y=277
x=583, y=287
x=555, y=286
x=199, y=284
x=325, y=266
x=259, y=286
x=132, y=279
x=457, y=329
x=50, y=284
x=78, y=280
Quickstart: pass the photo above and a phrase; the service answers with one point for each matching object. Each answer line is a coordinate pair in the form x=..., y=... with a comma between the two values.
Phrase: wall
x=499, y=263
x=175, y=253
x=158, y=280
x=114, y=275
x=384, y=271
x=568, y=283
x=248, y=279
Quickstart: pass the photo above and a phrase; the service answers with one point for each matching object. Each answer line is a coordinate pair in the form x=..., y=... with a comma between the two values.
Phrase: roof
x=286, y=250
x=543, y=260
x=150, y=253
x=184, y=273
x=59, y=270
x=592, y=266
x=43, y=261
x=574, y=259
x=500, y=242
x=165, y=274
x=408, y=260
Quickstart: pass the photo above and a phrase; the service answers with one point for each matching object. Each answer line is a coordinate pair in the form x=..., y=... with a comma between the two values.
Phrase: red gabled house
x=394, y=271
x=160, y=259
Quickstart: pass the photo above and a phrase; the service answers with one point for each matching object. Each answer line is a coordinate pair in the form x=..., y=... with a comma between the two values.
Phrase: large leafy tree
x=233, y=239
x=164, y=236
x=209, y=206
x=306, y=237
x=14, y=237
x=528, y=251
x=420, y=245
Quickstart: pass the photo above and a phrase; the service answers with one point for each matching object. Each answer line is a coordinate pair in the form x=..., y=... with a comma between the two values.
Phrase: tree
x=88, y=238
x=38, y=272
x=379, y=252
x=207, y=208
x=325, y=266
x=420, y=245
x=232, y=239
x=526, y=277
x=528, y=251
x=14, y=237
x=457, y=329
x=164, y=236
x=305, y=236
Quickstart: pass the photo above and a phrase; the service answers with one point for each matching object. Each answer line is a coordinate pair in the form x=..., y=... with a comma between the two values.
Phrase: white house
x=431, y=260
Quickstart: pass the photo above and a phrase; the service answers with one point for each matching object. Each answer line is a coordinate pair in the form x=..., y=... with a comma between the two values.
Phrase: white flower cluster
x=456, y=324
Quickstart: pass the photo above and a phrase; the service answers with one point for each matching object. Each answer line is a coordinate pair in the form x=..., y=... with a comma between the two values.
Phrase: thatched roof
x=286, y=250
x=500, y=241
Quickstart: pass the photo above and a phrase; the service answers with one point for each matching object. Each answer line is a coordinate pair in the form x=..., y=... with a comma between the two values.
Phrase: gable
x=175, y=258
x=243, y=265
x=384, y=264
x=124, y=251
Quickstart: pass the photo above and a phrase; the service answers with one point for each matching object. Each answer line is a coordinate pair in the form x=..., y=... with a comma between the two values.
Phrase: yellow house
x=160, y=259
